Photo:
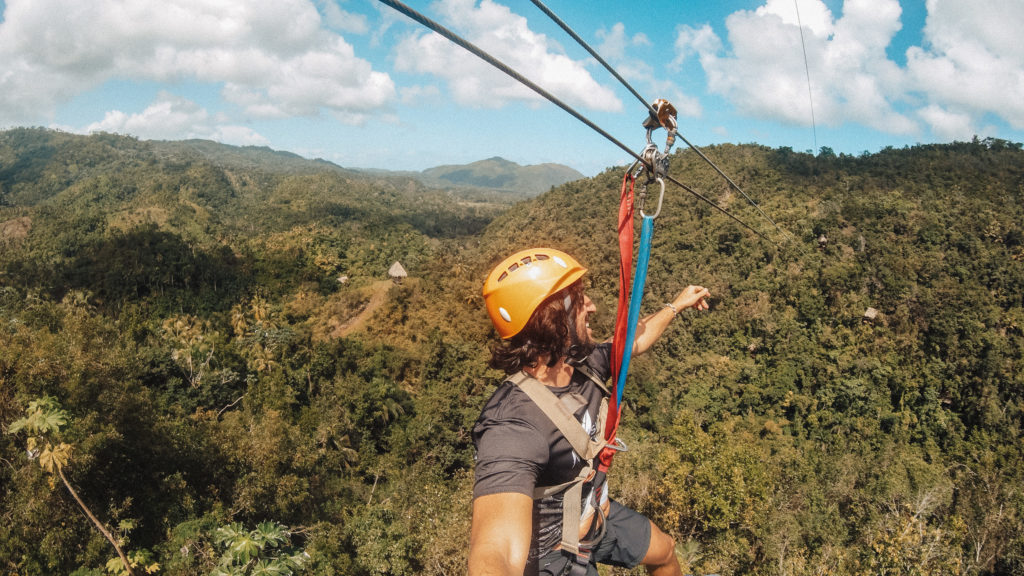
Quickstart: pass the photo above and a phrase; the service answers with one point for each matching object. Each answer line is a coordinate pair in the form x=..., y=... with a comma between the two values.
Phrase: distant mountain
x=211, y=191
x=493, y=175
x=469, y=180
x=500, y=174
x=244, y=157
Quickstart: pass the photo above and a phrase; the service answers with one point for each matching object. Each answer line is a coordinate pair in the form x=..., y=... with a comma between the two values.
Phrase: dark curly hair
x=546, y=333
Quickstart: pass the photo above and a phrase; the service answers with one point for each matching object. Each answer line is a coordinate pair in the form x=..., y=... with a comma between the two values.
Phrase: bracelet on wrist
x=673, y=308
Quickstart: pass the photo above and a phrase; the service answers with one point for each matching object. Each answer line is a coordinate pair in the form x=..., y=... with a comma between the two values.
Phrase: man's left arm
x=649, y=329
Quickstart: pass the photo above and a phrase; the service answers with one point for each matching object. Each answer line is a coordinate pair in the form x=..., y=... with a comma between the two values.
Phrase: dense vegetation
x=179, y=314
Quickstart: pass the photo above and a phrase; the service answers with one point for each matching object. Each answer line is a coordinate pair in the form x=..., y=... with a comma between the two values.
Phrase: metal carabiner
x=617, y=445
x=661, y=198
x=649, y=162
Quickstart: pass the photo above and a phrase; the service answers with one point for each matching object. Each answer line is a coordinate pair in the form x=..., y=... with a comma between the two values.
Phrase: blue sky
x=356, y=83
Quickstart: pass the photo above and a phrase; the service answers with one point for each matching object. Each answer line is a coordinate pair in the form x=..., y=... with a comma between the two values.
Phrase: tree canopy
x=176, y=316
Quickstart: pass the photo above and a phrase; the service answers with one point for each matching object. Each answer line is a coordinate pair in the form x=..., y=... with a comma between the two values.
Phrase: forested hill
x=504, y=175
x=119, y=218
x=183, y=315
x=499, y=176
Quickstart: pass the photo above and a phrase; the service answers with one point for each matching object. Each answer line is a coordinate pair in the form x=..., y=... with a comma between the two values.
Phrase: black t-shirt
x=519, y=448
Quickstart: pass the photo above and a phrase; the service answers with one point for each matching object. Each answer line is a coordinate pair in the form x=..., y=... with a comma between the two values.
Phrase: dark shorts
x=626, y=540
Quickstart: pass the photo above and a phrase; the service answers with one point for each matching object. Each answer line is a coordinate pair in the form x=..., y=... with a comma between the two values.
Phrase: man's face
x=583, y=320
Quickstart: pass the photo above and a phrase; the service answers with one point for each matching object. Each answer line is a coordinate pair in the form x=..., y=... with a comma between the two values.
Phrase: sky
x=358, y=84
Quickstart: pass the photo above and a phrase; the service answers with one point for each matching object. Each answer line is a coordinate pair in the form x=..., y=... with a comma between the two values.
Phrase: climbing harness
x=585, y=447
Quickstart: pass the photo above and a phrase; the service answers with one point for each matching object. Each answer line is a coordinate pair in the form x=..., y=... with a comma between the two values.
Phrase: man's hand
x=692, y=297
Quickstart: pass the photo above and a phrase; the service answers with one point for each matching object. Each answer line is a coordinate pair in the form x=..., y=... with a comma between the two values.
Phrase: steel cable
x=480, y=53
x=650, y=109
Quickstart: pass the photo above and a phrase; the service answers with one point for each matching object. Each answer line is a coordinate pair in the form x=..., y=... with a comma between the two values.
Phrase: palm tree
x=44, y=417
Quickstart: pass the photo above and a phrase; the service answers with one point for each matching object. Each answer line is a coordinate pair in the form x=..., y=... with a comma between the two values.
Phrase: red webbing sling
x=621, y=324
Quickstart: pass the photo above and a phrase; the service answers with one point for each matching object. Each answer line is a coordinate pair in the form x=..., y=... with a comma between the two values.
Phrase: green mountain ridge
x=502, y=174
x=503, y=178
x=82, y=199
x=44, y=167
x=250, y=157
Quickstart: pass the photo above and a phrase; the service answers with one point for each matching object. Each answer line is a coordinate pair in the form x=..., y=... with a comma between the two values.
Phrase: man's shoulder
x=510, y=424
x=508, y=401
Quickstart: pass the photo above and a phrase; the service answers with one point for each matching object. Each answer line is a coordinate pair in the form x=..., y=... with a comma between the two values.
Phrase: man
x=527, y=465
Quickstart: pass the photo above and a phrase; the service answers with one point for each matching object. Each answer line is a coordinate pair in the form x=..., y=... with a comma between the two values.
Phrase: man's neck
x=556, y=376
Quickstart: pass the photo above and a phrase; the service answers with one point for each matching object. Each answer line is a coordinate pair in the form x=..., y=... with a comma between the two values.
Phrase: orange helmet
x=517, y=286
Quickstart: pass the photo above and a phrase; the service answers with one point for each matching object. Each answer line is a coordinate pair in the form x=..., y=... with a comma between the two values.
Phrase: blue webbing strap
x=636, y=293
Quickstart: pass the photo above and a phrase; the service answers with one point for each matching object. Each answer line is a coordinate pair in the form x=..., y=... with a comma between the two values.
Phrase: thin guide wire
x=480, y=53
x=654, y=112
x=807, y=69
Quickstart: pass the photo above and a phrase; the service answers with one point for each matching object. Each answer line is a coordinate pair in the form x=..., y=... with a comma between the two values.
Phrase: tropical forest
x=209, y=364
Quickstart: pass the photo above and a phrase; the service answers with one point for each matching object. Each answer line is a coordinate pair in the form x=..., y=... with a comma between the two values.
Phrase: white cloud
x=172, y=117
x=239, y=136
x=506, y=36
x=418, y=94
x=615, y=47
x=167, y=117
x=614, y=42
x=274, y=58
x=764, y=76
x=691, y=41
x=973, y=59
x=946, y=124
x=970, y=64
x=814, y=15
x=340, y=19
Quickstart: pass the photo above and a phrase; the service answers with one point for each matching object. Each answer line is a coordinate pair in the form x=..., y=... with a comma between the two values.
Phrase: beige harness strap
x=593, y=378
x=581, y=443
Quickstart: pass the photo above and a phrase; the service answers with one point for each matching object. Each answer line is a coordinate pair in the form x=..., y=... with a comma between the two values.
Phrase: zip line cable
x=654, y=113
x=479, y=53
x=581, y=42
x=476, y=51
x=717, y=207
x=807, y=69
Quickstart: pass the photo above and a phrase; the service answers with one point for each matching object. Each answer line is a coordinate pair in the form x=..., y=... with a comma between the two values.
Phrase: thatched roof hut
x=397, y=272
x=870, y=315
